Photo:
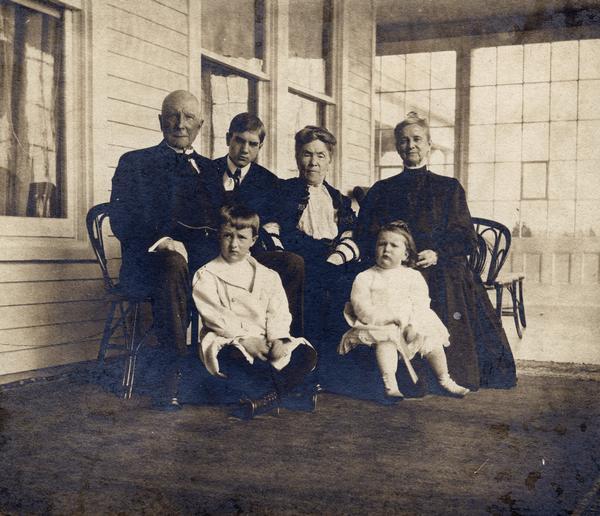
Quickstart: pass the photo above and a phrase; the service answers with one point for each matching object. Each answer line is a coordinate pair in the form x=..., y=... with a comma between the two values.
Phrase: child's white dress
x=381, y=295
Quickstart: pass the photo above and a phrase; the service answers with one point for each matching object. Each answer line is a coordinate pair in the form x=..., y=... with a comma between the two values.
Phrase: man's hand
x=167, y=244
x=256, y=347
x=427, y=258
x=280, y=348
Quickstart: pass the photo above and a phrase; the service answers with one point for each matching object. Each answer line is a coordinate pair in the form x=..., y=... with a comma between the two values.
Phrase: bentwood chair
x=122, y=329
x=493, y=243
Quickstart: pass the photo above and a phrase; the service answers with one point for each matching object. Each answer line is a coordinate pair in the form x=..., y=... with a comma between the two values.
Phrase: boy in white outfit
x=246, y=319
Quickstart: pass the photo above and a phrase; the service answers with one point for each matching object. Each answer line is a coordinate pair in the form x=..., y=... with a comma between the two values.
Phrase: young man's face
x=243, y=147
x=235, y=243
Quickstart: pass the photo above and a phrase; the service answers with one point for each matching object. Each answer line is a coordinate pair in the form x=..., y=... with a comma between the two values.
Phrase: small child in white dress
x=390, y=310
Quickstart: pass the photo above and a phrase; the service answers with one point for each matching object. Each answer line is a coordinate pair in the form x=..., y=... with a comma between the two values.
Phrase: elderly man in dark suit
x=243, y=181
x=161, y=208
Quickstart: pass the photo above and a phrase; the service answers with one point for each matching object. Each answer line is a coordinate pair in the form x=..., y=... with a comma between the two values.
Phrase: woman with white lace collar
x=317, y=223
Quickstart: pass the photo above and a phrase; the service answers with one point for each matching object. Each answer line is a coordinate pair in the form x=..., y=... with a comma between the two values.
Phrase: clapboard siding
x=146, y=52
x=178, y=5
x=145, y=73
x=50, y=292
x=140, y=136
x=125, y=112
x=49, y=271
x=146, y=30
x=156, y=12
x=12, y=317
x=53, y=313
x=18, y=360
x=142, y=94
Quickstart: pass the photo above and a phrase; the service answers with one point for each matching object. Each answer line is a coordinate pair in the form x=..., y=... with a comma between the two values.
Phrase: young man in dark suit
x=243, y=181
x=162, y=204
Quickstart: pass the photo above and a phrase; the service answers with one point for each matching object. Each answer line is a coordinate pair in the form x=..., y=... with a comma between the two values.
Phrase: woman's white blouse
x=319, y=218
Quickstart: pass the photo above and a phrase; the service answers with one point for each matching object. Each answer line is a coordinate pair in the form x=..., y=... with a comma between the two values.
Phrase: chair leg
x=499, y=289
x=522, y=304
x=106, y=334
x=512, y=288
x=132, y=349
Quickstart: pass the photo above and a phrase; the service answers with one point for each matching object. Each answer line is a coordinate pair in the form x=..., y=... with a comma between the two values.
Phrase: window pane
x=545, y=123
x=421, y=82
x=234, y=29
x=309, y=44
x=537, y=62
x=32, y=177
x=224, y=95
x=300, y=112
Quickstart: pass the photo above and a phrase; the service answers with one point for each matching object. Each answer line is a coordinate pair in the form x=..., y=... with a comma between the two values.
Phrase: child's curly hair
x=401, y=228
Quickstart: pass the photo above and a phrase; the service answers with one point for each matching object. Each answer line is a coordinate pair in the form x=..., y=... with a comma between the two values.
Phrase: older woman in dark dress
x=435, y=209
x=317, y=222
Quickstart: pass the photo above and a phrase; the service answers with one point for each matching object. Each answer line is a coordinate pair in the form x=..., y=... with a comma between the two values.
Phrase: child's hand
x=409, y=333
x=257, y=347
x=280, y=348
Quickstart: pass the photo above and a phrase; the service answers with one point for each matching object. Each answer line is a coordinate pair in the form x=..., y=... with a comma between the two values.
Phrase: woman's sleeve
x=458, y=237
x=367, y=224
x=215, y=315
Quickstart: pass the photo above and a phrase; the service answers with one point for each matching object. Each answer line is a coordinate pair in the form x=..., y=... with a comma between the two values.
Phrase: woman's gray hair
x=310, y=133
x=412, y=118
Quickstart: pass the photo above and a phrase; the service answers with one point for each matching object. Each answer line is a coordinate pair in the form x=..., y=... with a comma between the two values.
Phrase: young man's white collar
x=228, y=181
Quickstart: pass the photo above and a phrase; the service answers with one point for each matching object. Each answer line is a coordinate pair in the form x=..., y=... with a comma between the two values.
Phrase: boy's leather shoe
x=249, y=409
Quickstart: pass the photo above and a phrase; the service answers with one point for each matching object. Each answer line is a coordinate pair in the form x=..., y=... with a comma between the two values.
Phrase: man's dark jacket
x=156, y=192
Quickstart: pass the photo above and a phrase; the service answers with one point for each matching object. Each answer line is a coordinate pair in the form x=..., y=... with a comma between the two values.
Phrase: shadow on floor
x=70, y=446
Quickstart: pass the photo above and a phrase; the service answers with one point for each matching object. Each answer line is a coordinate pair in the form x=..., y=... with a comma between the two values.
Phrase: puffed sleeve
x=211, y=303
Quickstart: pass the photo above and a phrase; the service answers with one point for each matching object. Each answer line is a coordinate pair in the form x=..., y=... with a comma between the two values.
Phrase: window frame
x=464, y=45
x=27, y=238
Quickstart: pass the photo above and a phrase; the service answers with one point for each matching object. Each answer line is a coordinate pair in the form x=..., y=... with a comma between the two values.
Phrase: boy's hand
x=257, y=347
x=280, y=348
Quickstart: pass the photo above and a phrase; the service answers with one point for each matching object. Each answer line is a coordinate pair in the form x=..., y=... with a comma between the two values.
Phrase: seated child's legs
x=302, y=362
x=251, y=380
x=439, y=364
x=387, y=360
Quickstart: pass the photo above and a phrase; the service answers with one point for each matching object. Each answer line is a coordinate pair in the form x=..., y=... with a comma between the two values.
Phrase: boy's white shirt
x=231, y=311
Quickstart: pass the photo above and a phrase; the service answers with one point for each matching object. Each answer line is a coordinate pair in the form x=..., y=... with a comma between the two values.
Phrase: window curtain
x=30, y=71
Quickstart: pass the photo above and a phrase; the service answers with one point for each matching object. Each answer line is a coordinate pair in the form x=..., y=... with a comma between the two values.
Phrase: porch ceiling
x=452, y=11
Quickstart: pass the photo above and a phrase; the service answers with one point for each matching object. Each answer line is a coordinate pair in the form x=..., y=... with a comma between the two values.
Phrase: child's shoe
x=450, y=386
x=390, y=385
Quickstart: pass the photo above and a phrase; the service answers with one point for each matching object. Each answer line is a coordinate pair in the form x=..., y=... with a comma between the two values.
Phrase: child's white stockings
x=387, y=360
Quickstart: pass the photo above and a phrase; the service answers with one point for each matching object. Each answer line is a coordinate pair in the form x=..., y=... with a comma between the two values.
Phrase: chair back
x=493, y=244
x=94, y=220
